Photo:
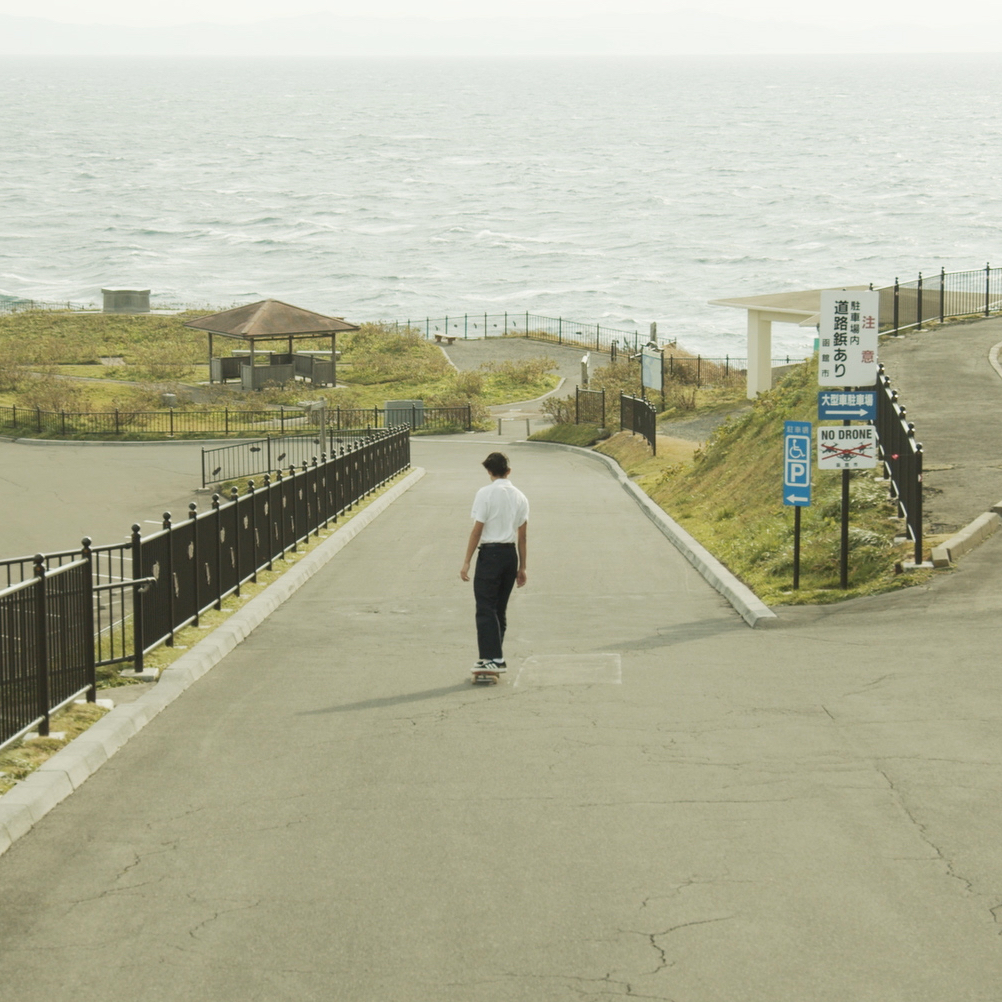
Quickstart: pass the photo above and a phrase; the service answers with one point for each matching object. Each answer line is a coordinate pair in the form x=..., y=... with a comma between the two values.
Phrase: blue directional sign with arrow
x=847, y=405
x=797, y=438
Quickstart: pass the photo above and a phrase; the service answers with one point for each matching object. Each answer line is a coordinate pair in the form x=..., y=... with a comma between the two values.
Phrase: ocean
x=613, y=191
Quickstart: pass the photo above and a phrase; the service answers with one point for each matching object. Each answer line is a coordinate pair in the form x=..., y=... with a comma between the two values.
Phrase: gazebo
x=268, y=321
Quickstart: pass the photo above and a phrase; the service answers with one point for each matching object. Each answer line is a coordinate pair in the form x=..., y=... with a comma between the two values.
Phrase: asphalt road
x=657, y=802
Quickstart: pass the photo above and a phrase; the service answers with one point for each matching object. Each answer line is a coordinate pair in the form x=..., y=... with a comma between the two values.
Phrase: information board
x=847, y=344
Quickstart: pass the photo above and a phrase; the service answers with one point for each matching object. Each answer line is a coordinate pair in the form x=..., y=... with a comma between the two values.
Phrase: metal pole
x=796, y=548
x=844, y=558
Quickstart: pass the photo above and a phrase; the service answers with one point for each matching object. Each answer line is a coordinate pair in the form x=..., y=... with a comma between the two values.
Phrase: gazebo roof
x=270, y=319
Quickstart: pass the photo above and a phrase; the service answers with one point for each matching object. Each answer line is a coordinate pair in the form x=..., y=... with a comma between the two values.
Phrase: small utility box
x=408, y=412
x=126, y=300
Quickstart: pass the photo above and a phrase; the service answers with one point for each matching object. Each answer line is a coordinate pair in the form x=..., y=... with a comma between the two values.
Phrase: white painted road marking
x=571, y=669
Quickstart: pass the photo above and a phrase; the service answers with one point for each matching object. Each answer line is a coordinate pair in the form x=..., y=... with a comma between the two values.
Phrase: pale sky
x=844, y=13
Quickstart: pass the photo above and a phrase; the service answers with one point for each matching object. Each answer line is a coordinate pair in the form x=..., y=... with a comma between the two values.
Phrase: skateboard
x=486, y=676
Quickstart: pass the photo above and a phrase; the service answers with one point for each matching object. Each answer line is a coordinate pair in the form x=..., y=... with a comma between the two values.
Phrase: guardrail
x=46, y=647
x=640, y=417
x=224, y=422
x=65, y=613
x=523, y=324
x=901, y=456
x=905, y=305
x=589, y=406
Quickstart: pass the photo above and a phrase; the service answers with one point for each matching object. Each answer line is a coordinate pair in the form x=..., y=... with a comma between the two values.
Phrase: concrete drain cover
x=571, y=669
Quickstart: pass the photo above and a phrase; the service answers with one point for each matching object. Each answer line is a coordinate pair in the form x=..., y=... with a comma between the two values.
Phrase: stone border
x=29, y=801
x=744, y=601
x=968, y=538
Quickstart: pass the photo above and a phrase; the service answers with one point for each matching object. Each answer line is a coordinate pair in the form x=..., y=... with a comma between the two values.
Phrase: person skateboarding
x=500, y=521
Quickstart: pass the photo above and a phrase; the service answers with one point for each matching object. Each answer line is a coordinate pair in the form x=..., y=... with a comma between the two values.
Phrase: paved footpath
x=658, y=802
x=954, y=397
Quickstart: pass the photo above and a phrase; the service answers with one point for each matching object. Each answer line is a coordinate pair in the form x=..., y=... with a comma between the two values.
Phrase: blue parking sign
x=797, y=439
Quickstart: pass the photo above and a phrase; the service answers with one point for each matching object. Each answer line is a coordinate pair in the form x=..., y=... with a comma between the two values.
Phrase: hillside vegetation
x=729, y=497
x=75, y=361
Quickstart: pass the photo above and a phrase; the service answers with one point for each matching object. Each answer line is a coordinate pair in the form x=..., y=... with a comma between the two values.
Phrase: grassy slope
x=377, y=365
x=730, y=498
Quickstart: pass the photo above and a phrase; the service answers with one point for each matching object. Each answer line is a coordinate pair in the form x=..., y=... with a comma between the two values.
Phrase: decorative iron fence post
x=942, y=294
x=918, y=304
x=41, y=648
x=897, y=302
x=217, y=571
x=196, y=563
x=269, y=501
x=87, y=607
x=234, y=497
x=253, y=529
x=138, y=571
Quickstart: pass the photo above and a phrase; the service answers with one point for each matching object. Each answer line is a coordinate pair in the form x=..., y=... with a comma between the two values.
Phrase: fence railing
x=103, y=605
x=901, y=456
x=46, y=647
x=529, y=325
x=906, y=305
x=589, y=406
x=13, y=304
x=640, y=417
x=222, y=422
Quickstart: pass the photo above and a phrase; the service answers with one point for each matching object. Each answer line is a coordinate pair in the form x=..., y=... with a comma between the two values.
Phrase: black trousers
x=493, y=580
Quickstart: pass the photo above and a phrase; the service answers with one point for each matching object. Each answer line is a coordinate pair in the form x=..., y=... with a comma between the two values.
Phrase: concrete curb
x=29, y=801
x=118, y=445
x=968, y=538
x=744, y=601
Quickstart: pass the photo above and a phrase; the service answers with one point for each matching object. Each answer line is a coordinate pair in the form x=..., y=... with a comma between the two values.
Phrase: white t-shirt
x=502, y=507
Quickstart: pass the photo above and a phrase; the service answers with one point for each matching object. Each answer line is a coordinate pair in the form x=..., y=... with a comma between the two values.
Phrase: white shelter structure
x=801, y=308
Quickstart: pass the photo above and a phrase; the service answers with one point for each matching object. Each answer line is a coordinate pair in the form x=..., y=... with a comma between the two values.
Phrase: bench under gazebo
x=268, y=321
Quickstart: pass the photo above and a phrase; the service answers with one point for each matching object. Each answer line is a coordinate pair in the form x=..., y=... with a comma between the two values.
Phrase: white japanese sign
x=652, y=369
x=848, y=328
x=850, y=447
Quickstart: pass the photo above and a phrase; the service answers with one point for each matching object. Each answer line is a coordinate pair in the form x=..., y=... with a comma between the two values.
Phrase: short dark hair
x=497, y=464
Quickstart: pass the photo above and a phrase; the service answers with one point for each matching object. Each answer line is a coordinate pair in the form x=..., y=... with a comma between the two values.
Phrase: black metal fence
x=197, y=562
x=901, y=456
x=939, y=297
x=427, y=420
x=589, y=406
x=640, y=417
x=104, y=605
x=559, y=330
x=254, y=456
x=172, y=422
x=46, y=646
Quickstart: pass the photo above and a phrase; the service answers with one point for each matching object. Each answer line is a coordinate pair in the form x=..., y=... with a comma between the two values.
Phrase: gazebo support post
x=759, y=353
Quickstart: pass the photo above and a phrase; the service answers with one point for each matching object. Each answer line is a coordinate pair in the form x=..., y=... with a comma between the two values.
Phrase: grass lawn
x=50, y=360
x=728, y=495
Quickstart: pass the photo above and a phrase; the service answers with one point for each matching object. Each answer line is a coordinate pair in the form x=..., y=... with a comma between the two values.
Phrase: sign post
x=796, y=480
x=848, y=326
